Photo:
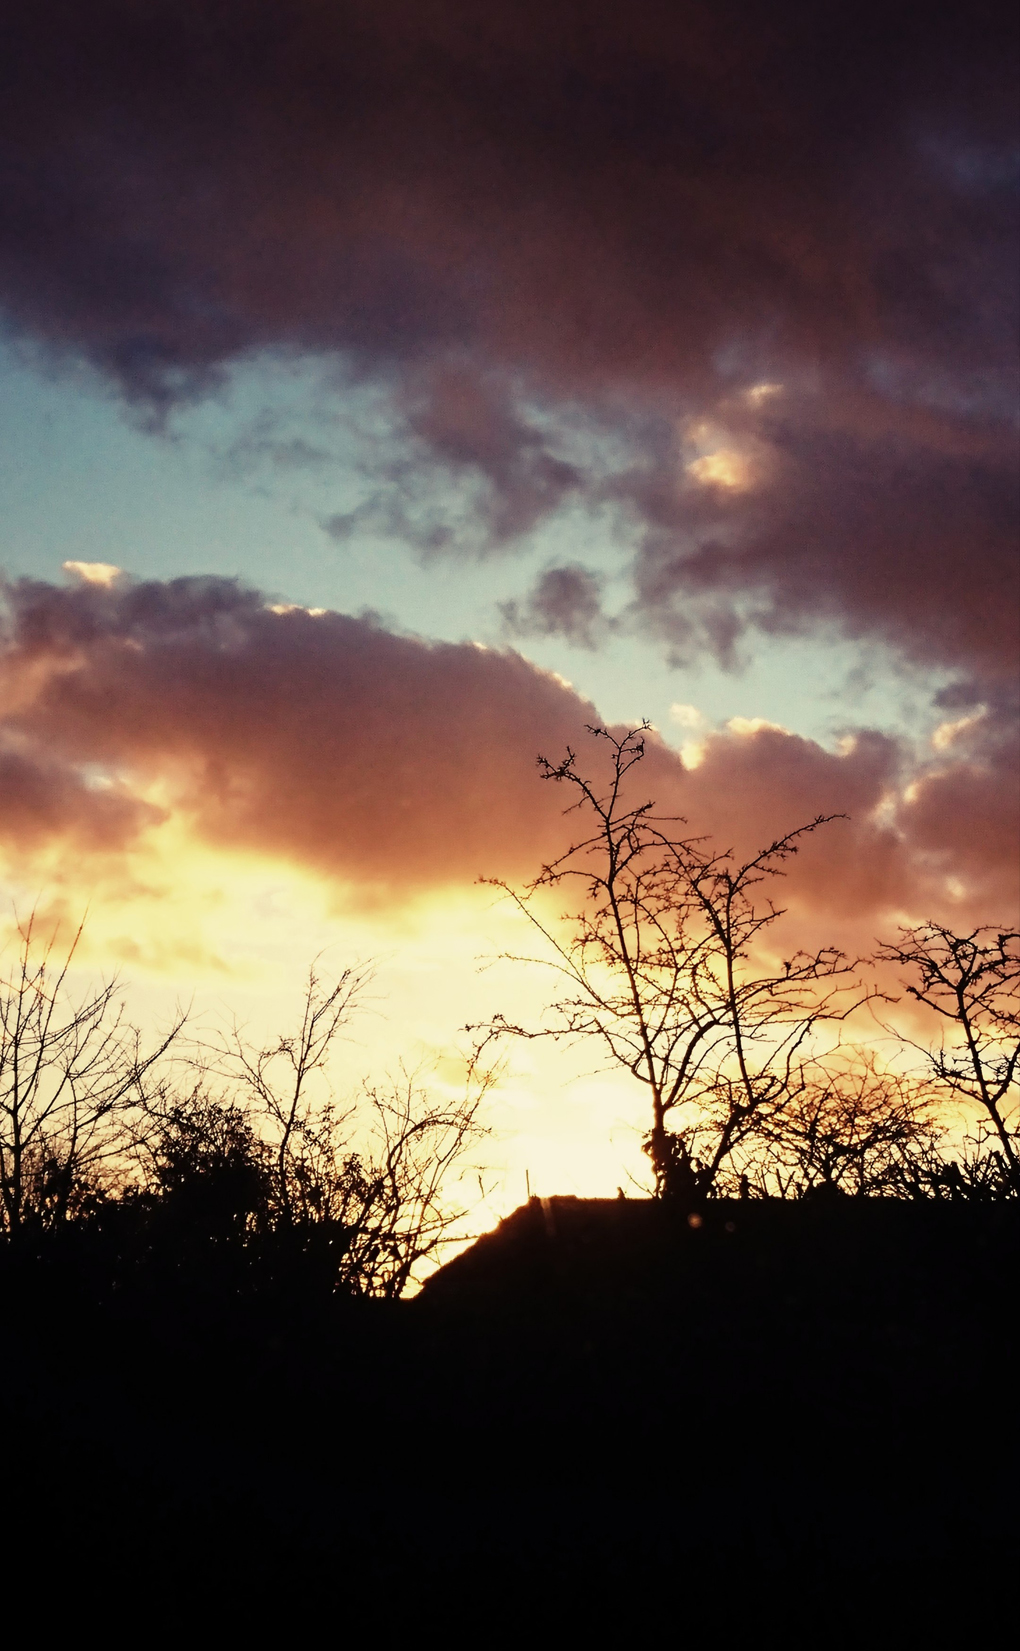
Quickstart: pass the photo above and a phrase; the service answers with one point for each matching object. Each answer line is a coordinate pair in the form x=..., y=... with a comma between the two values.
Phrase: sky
x=390, y=391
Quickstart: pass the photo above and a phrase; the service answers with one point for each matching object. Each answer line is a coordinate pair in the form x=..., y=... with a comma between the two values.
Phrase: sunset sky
x=390, y=390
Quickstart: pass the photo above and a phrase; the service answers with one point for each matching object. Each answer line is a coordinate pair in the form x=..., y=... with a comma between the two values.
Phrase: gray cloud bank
x=635, y=212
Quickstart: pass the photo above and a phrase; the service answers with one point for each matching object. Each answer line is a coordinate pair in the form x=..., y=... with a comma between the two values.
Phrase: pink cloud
x=399, y=765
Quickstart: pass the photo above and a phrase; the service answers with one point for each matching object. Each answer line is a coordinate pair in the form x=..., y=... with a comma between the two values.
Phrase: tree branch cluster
x=665, y=962
x=250, y=1152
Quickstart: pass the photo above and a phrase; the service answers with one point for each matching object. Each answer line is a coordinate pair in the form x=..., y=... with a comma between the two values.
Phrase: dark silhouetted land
x=789, y=1411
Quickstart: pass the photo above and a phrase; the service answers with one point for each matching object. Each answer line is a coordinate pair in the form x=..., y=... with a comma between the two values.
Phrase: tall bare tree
x=662, y=963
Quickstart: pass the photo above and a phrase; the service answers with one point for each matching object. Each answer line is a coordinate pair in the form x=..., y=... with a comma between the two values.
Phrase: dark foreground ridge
x=798, y=1413
x=731, y=1254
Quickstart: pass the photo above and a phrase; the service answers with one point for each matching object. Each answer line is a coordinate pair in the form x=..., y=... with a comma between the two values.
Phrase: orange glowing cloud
x=396, y=766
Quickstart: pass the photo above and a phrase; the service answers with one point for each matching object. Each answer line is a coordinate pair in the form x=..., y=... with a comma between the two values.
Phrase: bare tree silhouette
x=662, y=964
x=850, y=1126
x=972, y=982
x=70, y=1069
x=278, y=1084
x=366, y=1185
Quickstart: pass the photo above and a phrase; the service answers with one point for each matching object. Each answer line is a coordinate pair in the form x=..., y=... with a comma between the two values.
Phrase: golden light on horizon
x=231, y=935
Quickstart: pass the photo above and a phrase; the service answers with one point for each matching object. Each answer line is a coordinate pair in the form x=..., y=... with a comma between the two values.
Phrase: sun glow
x=727, y=468
x=231, y=935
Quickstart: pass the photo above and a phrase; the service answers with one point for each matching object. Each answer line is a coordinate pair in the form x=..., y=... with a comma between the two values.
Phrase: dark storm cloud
x=880, y=531
x=456, y=431
x=634, y=209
